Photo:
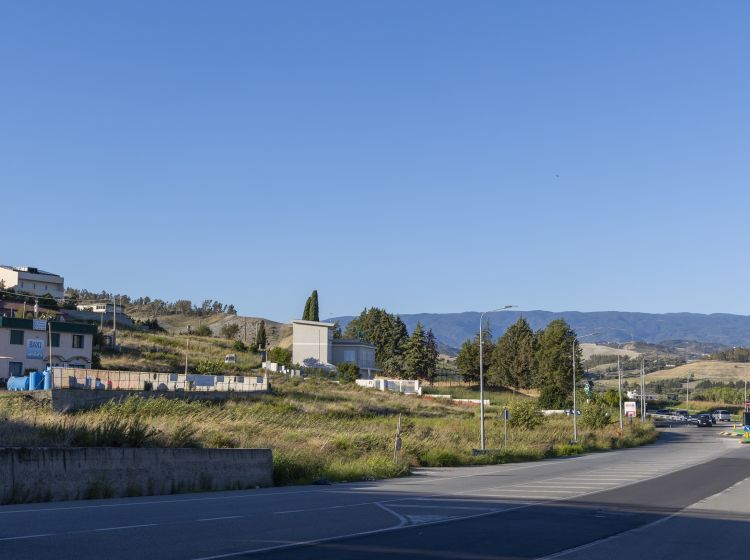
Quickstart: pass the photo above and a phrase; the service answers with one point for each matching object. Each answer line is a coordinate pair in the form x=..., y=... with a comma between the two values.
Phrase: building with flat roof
x=313, y=345
x=33, y=281
x=25, y=345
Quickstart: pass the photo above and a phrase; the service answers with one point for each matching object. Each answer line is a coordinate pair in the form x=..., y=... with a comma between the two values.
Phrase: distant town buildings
x=99, y=307
x=33, y=281
x=313, y=345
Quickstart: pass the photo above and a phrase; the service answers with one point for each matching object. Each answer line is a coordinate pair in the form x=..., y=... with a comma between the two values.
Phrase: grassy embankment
x=316, y=429
x=143, y=351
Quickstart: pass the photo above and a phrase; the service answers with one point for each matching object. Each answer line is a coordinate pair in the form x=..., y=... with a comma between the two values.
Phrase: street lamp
x=575, y=413
x=481, y=369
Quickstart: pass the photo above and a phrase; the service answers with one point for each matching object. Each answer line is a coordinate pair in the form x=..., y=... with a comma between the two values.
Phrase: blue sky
x=422, y=156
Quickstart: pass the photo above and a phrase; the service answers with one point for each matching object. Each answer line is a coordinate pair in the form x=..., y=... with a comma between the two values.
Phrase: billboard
x=630, y=409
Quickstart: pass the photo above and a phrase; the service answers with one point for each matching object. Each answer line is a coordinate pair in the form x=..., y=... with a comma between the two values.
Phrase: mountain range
x=452, y=329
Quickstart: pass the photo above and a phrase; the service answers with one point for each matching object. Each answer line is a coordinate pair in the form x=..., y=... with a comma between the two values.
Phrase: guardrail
x=92, y=379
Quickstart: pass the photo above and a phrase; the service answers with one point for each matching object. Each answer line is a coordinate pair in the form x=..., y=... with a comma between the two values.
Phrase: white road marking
x=220, y=518
x=127, y=527
x=26, y=537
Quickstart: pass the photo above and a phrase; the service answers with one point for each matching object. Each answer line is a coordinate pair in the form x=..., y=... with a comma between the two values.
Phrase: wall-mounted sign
x=35, y=348
x=39, y=325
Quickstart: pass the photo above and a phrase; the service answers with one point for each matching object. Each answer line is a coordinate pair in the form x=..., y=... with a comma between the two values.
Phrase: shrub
x=279, y=355
x=553, y=397
x=525, y=414
x=348, y=372
x=230, y=330
x=208, y=366
x=203, y=330
x=595, y=415
x=239, y=346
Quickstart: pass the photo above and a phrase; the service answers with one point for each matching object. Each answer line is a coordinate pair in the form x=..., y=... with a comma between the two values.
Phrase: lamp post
x=481, y=371
x=575, y=412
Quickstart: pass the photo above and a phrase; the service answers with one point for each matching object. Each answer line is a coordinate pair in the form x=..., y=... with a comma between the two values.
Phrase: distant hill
x=718, y=329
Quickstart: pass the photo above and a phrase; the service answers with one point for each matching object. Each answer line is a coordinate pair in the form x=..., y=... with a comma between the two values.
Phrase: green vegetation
x=398, y=354
x=348, y=372
x=317, y=429
x=523, y=359
x=161, y=352
x=311, y=312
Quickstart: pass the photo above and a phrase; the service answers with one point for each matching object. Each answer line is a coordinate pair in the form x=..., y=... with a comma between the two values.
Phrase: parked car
x=703, y=421
x=681, y=412
x=721, y=416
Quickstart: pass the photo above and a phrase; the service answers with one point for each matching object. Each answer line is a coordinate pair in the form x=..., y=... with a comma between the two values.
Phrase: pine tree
x=554, y=357
x=314, y=311
x=513, y=361
x=432, y=356
x=415, y=354
x=467, y=360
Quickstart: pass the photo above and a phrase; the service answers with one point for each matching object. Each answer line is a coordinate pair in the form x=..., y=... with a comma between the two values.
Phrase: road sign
x=630, y=409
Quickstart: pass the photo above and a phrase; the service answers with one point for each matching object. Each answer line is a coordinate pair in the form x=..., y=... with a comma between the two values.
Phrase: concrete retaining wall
x=70, y=400
x=44, y=474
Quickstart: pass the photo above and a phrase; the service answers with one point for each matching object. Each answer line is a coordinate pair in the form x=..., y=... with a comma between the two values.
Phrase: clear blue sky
x=423, y=156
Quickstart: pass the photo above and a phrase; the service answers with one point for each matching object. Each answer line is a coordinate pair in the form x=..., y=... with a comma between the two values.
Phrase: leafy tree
x=432, y=356
x=467, y=360
x=337, y=330
x=260, y=336
x=416, y=360
x=280, y=355
x=554, y=357
x=513, y=362
x=348, y=372
x=231, y=310
x=230, y=330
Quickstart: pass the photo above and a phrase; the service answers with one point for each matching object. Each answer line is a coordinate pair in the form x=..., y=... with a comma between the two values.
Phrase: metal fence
x=90, y=379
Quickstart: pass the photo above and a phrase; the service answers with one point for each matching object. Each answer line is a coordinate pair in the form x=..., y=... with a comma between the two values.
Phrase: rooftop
x=314, y=323
x=29, y=269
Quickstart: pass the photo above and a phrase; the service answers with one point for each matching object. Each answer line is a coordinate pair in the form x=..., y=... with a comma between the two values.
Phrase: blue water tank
x=47, y=379
x=35, y=380
x=18, y=383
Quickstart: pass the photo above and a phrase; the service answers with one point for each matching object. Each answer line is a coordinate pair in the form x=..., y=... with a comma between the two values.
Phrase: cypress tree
x=415, y=354
x=314, y=311
x=260, y=335
x=306, y=312
x=513, y=361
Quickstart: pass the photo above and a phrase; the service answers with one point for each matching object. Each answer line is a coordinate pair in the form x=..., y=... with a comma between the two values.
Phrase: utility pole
x=687, y=389
x=114, y=322
x=643, y=390
x=575, y=412
x=619, y=384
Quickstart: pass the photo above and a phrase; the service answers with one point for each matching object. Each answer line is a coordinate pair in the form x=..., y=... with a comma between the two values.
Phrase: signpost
x=630, y=409
x=506, y=417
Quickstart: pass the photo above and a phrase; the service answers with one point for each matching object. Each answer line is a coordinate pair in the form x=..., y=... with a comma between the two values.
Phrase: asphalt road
x=684, y=497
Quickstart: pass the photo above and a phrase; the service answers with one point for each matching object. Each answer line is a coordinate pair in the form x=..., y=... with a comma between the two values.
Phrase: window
x=15, y=369
x=55, y=340
x=77, y=341
x=16, y=337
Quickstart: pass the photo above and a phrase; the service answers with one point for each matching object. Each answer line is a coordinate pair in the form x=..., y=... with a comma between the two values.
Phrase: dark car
x=703, y=421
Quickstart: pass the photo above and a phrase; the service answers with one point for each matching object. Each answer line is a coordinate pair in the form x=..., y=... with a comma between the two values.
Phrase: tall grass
x=319, y=431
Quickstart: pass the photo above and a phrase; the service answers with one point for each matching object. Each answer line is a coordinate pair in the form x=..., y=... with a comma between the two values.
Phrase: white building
x=99, y=307
x=313, y=345
x=33, y=281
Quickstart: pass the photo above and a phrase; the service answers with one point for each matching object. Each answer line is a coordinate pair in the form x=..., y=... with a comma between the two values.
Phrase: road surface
x=684, y=497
